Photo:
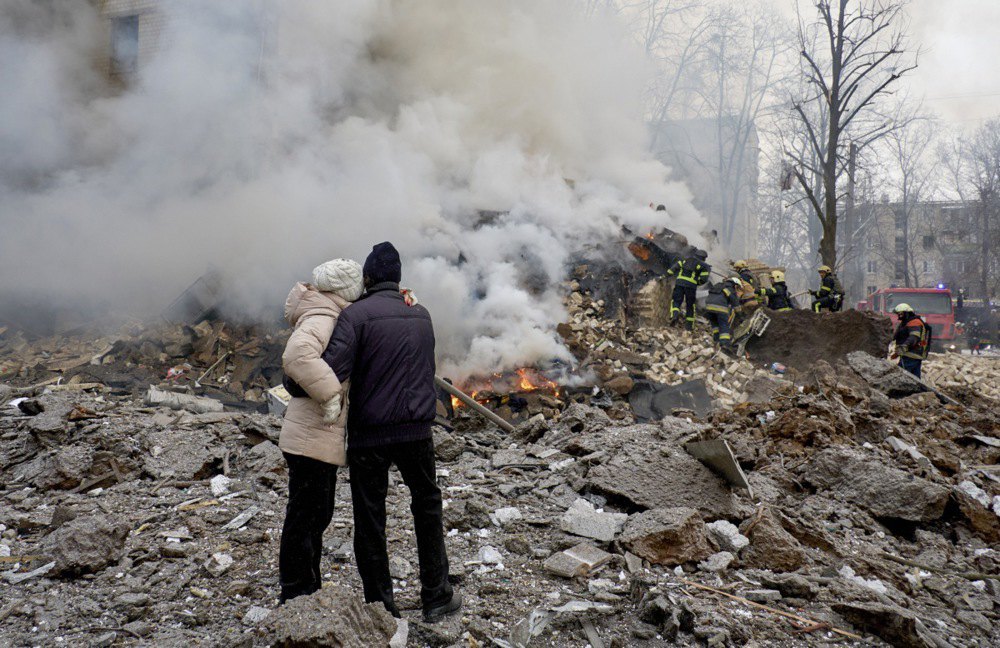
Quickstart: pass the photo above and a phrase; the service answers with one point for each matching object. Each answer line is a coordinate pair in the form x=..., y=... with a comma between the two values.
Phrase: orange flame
x=651, y=235
x=530, y=380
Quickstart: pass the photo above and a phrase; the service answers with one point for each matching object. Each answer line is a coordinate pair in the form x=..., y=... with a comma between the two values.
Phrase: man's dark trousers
x=911, y=364
x=312, y=486
x=369, y=484
x=684, y=292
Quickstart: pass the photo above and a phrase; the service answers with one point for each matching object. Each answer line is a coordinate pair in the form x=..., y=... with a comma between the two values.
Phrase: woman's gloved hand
x=331, y=409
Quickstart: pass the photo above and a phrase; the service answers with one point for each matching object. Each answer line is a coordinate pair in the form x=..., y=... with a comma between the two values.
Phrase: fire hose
x=471, y=402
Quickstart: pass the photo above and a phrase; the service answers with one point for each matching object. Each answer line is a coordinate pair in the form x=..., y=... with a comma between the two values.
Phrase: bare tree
x=911, y=172
x=850, y=58
x=983, y=174
x=744, y=50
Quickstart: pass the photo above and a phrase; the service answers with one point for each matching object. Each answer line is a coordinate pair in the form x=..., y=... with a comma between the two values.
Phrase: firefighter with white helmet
x=720, y=306
x=912, y=339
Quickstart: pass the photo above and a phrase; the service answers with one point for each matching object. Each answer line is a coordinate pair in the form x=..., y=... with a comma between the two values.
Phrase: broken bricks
x=580, y=560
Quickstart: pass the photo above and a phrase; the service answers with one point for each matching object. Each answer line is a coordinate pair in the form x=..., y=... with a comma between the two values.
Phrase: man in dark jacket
x=386, y=349
x=690, y=273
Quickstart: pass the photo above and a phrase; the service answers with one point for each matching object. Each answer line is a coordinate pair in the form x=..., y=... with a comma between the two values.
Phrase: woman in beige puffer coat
x=312, y=433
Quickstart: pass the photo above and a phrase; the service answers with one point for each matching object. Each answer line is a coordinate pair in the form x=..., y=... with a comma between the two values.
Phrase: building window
x=928, y=266
x=873, y=266
x=900, y=218
x=872, y=289
x=900, y=270
x=929, y=242
x=900, y=245
x=124, y=45
x=872, y=243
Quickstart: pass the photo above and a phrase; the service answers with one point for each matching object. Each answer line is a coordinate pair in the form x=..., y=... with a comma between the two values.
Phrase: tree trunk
x=828, y=245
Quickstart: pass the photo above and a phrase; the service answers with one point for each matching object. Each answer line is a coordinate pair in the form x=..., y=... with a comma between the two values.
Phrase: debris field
x=855, y=507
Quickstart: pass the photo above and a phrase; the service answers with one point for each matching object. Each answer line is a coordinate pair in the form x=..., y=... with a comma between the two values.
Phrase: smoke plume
x=264, y=138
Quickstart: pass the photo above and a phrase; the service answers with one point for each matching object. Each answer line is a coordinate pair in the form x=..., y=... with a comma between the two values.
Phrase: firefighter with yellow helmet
x=830, y=295
x=777, y=295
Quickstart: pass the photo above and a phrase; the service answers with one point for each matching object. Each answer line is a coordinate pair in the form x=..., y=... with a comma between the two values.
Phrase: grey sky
x=959, y=73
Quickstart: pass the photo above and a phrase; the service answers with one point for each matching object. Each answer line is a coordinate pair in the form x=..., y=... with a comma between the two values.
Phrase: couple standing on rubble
x=360, y=365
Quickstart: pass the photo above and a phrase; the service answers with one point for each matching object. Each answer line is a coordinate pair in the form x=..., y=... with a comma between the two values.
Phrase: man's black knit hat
x=383, y=264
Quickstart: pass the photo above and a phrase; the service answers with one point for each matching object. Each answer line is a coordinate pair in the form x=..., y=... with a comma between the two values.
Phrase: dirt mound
x=799, y=338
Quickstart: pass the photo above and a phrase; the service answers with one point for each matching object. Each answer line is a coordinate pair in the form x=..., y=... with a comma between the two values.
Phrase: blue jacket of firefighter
x=690, y=271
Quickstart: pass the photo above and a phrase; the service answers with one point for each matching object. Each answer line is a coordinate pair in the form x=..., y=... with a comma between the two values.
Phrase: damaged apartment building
x=920, y=245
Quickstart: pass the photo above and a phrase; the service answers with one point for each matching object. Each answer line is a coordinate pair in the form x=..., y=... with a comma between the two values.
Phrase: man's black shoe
x=436, y=613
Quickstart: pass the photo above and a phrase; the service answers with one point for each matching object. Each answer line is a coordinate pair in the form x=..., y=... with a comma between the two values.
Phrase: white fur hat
x=341, y=277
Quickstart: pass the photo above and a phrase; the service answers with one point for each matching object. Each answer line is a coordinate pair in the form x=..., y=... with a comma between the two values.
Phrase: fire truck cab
x=934, y=305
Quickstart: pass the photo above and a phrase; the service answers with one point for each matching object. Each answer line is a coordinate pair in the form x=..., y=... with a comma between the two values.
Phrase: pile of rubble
x=951, y=371
x=234, y=364
x=855, y=507
x=618, y=353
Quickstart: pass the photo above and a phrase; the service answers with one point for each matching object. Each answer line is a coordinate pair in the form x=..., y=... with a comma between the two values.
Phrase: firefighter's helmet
x=777, y=276
x=740, y=265
x=902, y=308
x=701, y=254
x=824, y=269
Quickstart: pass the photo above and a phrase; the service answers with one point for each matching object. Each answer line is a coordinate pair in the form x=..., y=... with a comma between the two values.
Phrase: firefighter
x=721, y=305
x=777, y=295
x=690, y=273
x=742, y=269
x=912, y=338
x=830, y=295
x=749, y=293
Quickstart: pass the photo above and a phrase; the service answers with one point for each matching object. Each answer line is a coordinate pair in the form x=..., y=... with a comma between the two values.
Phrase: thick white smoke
x=264, y=138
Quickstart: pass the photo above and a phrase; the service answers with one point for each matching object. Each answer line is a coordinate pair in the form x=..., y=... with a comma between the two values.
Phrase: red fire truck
x=932, y=304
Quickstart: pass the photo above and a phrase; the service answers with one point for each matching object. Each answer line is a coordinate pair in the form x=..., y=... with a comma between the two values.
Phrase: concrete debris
x=853, y=492
x=640, y=477
x=333, y=616
x=884, y=491
x=884, y=376
x=718, y=562
x=218, y=563
x=490, y=556
x=727, y=536
x=873, y=584
x=580, y=560
x=667, y=536
x=584, y=520
x=86, y=544
x=505, y=516
x=197, y=404
x=219, y=485
x=771, y=546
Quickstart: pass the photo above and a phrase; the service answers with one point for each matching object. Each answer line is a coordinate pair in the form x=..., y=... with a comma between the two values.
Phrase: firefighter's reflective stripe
x=718, y=308
x=916, y=327
x=696, y=275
